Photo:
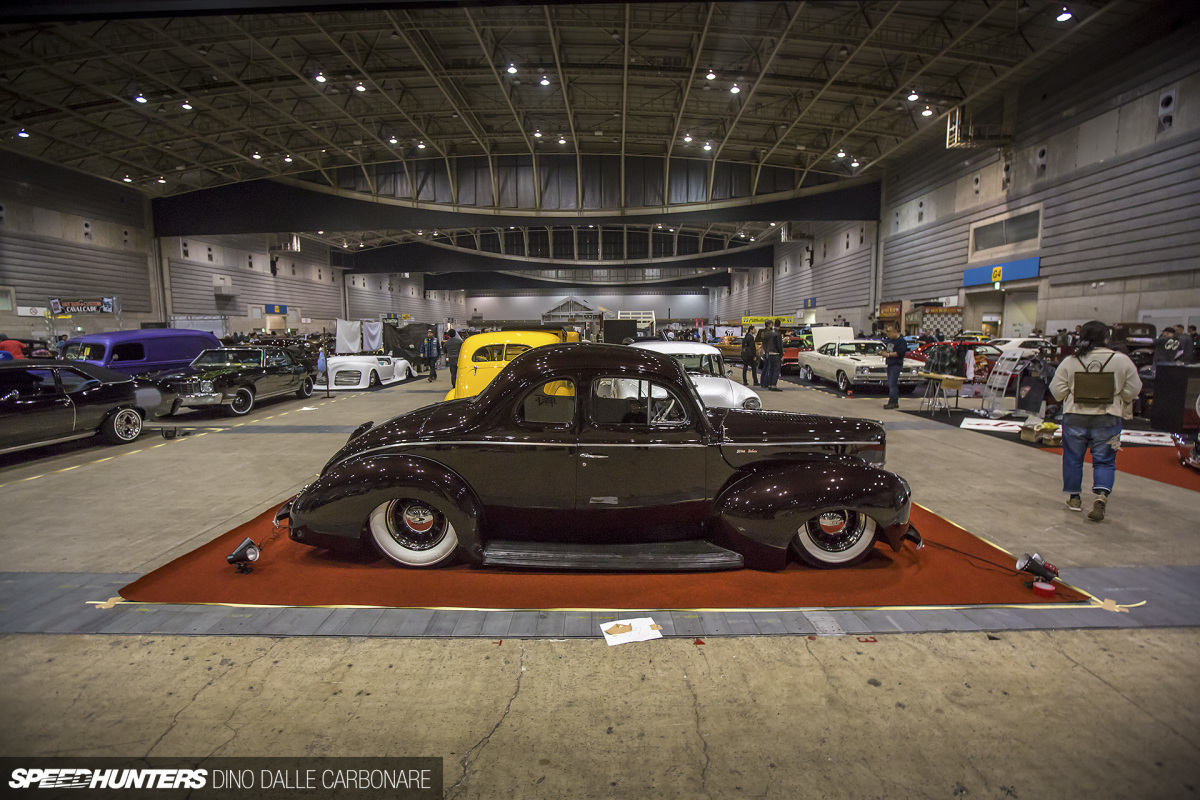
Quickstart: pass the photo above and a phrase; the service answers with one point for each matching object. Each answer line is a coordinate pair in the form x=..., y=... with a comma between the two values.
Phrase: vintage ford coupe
x=551, y=466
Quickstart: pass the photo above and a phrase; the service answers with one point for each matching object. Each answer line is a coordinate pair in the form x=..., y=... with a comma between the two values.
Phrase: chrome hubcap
x=415, y=525
x=836, y=531
x=128, y=424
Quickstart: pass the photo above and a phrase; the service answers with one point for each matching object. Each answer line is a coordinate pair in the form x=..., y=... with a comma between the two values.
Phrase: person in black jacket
x=772, y=342
x=431, y=351
x=451, y=348
x=896, y=348
x=749, y=356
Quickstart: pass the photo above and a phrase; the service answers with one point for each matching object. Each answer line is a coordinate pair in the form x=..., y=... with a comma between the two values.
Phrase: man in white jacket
x=1093, y=418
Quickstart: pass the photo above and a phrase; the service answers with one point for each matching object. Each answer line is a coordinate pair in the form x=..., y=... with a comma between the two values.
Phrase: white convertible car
x=364, y=371
x=855, y=362
x=706, y=368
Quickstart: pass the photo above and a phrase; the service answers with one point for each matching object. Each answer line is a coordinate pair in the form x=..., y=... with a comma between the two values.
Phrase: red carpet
x=954, y=568
x=1156, y=463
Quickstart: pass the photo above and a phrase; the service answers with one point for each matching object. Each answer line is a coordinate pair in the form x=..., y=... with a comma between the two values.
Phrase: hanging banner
x=99, y=305
x=782, y=319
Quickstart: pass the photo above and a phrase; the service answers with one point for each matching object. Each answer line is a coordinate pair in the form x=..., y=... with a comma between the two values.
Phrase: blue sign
x=1007, y=271
x=275, y=309
x=808, y=302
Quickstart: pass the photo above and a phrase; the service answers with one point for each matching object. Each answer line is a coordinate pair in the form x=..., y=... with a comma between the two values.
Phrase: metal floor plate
x=65, y=602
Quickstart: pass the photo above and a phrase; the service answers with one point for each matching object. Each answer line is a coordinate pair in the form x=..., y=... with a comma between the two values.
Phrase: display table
x=936, y=385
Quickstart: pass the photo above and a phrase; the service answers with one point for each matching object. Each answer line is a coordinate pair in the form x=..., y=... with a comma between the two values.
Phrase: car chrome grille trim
x=347, y=377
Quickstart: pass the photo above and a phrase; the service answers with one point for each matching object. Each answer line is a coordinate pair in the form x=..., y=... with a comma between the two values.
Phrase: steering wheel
x=662, y=414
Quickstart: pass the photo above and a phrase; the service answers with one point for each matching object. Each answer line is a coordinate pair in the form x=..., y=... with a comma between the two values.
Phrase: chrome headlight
x=206, y=387
x=862, y=370
x=752, y=403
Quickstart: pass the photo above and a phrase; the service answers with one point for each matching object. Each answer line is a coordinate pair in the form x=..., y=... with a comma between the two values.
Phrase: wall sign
x=31, y=311
x=783, y=320
x=808, y=302
x=275, y=309
x=1006, y=271
x=890, y=310
x=98, y=305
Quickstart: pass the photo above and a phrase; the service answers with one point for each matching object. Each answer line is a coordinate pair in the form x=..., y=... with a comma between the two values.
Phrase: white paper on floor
x=998, y=425
x=623, y=631
x=1146, y=437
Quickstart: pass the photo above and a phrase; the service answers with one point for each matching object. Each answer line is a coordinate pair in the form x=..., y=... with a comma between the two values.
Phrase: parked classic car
x=792, y=347
x=858, y=361
x=704, y=365
x=545, y=468
x=43, y=401
x=949, y=358
x=365, y=371
x=139, y=352
x=483, y=355
x=237, y=378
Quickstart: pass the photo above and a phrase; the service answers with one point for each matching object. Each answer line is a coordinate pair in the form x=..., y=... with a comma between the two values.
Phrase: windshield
x=83, y=351
x=863, y=349
x=700, y=363
x=228, y=358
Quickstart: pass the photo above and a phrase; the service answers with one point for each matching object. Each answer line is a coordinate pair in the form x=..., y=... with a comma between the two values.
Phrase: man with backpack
x=1097, y=387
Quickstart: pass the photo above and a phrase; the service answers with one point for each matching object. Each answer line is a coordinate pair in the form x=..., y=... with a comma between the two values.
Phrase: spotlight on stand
x=246, y=552
x=1038, y=568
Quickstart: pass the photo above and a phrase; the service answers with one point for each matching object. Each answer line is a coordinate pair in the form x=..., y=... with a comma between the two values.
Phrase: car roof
x=116, y=337
x=678, y=348
x=91, y=370
x=531, y=338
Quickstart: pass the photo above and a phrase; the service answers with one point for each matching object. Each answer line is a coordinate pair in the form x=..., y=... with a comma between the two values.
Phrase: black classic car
x=236, y=378
x=43, y=402
x=583, y=456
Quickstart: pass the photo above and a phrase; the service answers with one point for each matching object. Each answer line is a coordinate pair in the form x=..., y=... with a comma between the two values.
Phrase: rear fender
x=340, y=502
x=758, y=513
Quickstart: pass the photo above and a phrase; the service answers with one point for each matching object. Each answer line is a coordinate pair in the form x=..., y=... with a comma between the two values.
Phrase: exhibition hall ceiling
x=561, y=108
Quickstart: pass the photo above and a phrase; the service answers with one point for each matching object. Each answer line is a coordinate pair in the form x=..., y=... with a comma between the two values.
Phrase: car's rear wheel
x=242, y=402
x=412, y=533
x=843, y=383
x=306, y=388
x=123, y=426
x=837, y=537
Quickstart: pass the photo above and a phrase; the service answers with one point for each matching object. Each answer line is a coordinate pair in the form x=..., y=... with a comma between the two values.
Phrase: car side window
x=490, y=352
x=636, y=403
x=129, y=351
x=71, y=380
x=511, y=351
x=551, y=403
x=29, y=382
x=277, y=360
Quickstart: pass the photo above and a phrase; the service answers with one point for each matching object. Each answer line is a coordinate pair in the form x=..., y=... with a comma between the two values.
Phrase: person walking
x=453, y=345
x=772, y=344
x=431, y=351
x=749, y=356
x=897, y=346
x=1097, y=387
x=1167, y=349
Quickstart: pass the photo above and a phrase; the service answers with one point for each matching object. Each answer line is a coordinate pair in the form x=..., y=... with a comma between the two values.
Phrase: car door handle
x=591, y=455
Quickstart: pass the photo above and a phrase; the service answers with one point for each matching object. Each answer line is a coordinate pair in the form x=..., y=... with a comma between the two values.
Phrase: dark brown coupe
x=582, y=456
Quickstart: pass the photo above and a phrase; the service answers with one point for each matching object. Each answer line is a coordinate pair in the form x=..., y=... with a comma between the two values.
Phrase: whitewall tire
x=835, y=538
x=412, y=533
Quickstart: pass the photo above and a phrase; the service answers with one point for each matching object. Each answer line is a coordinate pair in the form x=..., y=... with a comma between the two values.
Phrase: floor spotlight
x=1026, y=563
x=246, y=552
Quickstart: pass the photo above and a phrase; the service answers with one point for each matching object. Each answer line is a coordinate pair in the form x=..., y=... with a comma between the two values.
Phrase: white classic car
x=854, y=362
x=704, y=365
x=364, y=371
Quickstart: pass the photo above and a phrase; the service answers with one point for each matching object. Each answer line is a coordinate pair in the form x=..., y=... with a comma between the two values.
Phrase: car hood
x=717, y=392
x=767, y=427
x=190, y=373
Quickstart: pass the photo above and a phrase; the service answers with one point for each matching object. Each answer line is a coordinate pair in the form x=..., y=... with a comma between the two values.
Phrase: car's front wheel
x=412, y=533
x=835, y=538
x=123, y=426
x=843, y=382
x=242, y=402
x=373, y=381
x=306, y=388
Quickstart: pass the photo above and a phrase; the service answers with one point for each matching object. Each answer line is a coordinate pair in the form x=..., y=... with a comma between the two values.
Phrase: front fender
x=758, y=513
x=340, y=502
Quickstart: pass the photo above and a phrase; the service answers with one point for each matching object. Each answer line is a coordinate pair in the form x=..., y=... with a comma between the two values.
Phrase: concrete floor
x=1069, y=713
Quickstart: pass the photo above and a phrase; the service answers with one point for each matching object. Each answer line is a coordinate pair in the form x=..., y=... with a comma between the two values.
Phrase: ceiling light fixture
x=161, y=179
x=393, y=140
x=287, y=159
x=913, y=96
x=360, y=87
x=712, y=76
x=185, y=105
x=24, y=134
x=320, y=77
x=420, y=145
x=320, y=232
x=1064, y=15
x=734, y=89
x=545, y=80
x=127, y=179
x=512, y=69
x=772, y=224
x=141, y=98
x=708, y=145
x=256, y=156
x=537, y=134
x=928, y=112
x=841, y=153
x=562, y=139
x=687, y=137
x=854, y=163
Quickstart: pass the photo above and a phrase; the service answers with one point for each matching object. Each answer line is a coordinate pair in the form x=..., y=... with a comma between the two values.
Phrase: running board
x=689, y=555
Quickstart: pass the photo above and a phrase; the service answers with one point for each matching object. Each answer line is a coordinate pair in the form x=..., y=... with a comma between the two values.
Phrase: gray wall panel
x=38, y=183
x=192, y=291
x=38, y=267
